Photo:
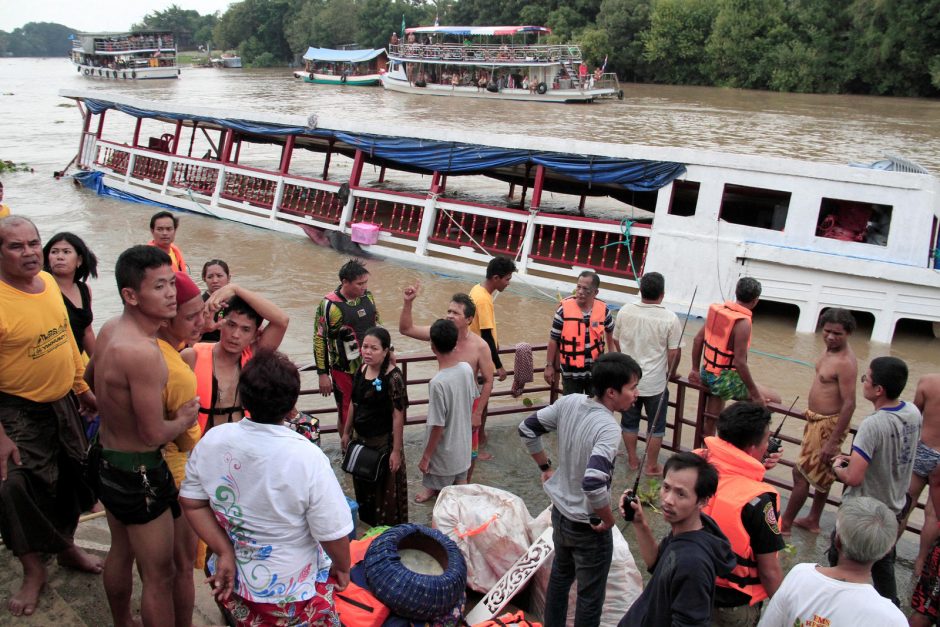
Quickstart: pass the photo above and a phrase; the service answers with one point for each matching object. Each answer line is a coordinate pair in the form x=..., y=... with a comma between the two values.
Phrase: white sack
x=490, y=526
x=624, y=583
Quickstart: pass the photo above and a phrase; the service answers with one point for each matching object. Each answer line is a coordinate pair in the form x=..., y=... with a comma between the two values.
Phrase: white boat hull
x=129, y=74
x=462, y=91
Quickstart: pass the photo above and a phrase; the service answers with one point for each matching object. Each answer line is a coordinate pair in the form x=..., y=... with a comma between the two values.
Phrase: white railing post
x=170, y=164
x=428, y=216
x=527, y=241
x=346, y=216
x=278, y=194
x=132, y=156
x=219, y=186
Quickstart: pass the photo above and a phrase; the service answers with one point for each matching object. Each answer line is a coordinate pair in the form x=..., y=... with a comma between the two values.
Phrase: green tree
x=255, y=27
x=674, y=46
x=744, y=34
x=187, y=25
x=624, y=22
x=37, y=39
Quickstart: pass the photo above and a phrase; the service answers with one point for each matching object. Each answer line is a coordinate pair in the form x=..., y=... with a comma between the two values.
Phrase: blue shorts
x=926, y=460
x=630, y=419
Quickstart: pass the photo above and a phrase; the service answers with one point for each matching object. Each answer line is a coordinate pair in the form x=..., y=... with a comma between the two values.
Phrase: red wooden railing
x=113, y=158
x=403, y=219
x=589, y=248
x=149, y=168
x=198, y=178
x=496, y=235
x=251, y=189
x=316, y=203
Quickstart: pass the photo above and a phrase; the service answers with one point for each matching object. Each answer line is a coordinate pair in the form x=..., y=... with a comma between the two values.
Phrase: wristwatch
x=545, y=466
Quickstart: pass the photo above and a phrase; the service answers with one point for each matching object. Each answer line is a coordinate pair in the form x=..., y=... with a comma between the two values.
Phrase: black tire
x=410, y=594
x=134, y=74
x=620, y=95
x=86, y=71
x=541, y=88
x=342, y=79
x=421, y=84
x=79, y=70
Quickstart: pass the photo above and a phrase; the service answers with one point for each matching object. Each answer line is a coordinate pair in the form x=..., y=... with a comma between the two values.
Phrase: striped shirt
x=588, y=439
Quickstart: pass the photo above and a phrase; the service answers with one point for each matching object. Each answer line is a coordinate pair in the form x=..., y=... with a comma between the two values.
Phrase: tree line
x=815, y=46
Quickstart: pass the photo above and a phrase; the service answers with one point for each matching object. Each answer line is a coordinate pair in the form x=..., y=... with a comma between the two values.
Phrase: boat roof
x=342, y=56
x=127, y=33
x=479, y=30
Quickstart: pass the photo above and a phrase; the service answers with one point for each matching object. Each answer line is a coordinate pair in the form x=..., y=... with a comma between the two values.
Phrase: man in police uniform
x=342, y=319
x=581, y=328
x=723, y=342
x=746, y=510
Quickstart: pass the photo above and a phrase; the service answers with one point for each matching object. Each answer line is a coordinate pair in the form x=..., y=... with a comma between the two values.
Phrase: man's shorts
x=342, y=392
x=317, y=611
x=439, y=482
x=926, y=460
x=474, y=434
x=816, y=433
x=727, y=385
x=651, y=406
x=926, y=596
x=136, y=497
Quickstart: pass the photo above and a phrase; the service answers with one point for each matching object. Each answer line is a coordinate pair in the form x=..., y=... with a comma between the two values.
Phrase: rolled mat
x=411, y=594
x=522, y=368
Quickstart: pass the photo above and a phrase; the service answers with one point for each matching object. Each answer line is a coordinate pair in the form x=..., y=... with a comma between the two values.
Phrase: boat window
x=854, y=221
x=684, y=198
x=754, y=206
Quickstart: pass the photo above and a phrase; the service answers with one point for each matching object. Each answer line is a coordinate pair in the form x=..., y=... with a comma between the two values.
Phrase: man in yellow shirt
x=498, y=275
x=42, y=437
x=4, y=210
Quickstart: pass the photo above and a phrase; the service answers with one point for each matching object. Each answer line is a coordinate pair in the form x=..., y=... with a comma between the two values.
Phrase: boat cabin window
x=854, y=221
x=684, y=198
x=754, y=206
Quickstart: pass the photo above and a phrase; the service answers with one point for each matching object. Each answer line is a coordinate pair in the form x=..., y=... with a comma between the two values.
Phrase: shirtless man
x=218, y=365
x=927, y=461
x=129, y=375
x=471, y=348
x=828, y=414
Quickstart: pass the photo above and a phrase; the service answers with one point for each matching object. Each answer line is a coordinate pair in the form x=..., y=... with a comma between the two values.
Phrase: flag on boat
x=604, y=66
x=437, y=21
x=402, y=25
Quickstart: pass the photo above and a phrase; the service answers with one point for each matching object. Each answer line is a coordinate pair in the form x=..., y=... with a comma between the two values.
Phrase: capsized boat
x=343, y=67
x=136, y=55
x=816, y=235
x=496, y=62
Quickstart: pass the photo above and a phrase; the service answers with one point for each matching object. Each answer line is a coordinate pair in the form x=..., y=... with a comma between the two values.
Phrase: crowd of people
x=176, y=417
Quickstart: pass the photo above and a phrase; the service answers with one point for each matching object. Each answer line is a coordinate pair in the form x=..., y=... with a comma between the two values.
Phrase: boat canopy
x=426, y=155
x=479, y=30
x=341, y=56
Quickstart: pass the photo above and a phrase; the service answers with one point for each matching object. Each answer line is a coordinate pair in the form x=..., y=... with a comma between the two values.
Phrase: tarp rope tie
x=626, y=225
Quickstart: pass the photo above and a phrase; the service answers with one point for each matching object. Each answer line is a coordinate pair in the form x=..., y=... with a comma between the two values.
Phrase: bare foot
x=483, y=456
x=653, y=471
x=24, y=602
x=785, y=531
x=427, y=495
x=634, y=463
x=77, y=559
x=807, y=523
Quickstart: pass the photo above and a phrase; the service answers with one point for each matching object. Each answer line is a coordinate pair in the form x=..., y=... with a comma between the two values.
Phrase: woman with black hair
x=68, y=259
x=215, y=274
x=377, y=415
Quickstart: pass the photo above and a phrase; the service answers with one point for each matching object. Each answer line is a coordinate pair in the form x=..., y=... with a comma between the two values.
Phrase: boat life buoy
x=408, y=593
x=99, y=71
x=541, y=88
x=78, y=69
x=134, y=74
x=342, y=78
x=86, y=71
x=620, y=95
x=420, y=84
x=492, y=87
x=124, y=75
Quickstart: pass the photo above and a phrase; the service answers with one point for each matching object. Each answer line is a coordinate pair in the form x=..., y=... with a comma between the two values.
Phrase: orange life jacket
x=206, y=388
x=356, y=606
x=739, y=482
x=180, y=265
x=571, y=348
x=718, y=354
x=512, y=618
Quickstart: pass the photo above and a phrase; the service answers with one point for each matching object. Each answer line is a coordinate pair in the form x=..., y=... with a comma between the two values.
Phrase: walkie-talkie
x=774, y=444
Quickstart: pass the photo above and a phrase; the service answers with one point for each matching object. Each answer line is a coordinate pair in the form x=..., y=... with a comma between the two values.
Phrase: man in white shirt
x=652, y=335
x=258, y=488
x=842, y=594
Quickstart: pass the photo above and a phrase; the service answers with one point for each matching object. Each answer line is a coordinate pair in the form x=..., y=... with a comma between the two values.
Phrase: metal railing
x=488, y=53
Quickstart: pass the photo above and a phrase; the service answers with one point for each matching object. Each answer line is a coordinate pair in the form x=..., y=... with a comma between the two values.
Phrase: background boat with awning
x=337, y=67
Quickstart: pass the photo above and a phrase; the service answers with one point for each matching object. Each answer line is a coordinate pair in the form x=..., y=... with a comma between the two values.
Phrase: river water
x=42, y=130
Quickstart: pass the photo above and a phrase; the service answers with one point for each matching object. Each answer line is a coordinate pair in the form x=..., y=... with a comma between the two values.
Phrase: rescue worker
x=723, y=342
x=746, y=510
x=342, y=319
x=581, y=328
x=163, y=226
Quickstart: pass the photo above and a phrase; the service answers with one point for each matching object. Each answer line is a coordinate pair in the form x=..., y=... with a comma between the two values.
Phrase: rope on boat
x=447, y=213
x=626, y=224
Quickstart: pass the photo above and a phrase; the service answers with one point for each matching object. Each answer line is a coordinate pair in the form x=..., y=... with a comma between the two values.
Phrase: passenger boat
x=496, y=62
x=343, y=67
x=227, y=60
x=816, y=235
x=135, y=55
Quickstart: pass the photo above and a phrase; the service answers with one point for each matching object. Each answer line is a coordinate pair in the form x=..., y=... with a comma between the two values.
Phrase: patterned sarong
x=817, y=432
x=316, y=612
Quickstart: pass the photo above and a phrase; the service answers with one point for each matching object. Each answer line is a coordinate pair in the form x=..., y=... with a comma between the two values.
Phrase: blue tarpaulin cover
x=341, y=56
x=431, y=155
x=93, y=181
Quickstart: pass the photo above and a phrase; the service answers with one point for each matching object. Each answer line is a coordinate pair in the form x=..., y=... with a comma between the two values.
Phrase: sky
x=94, y=15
